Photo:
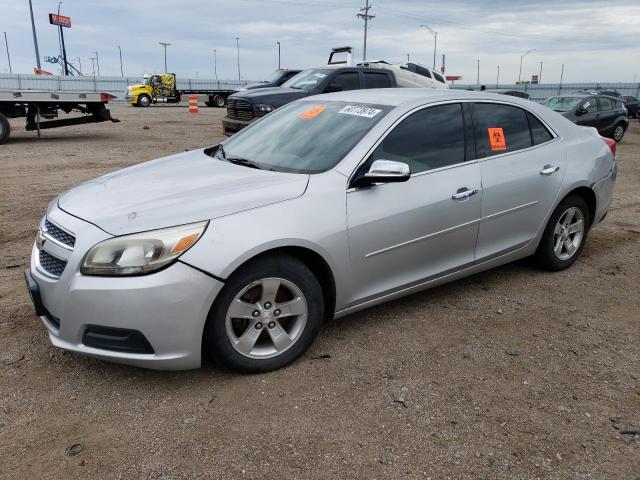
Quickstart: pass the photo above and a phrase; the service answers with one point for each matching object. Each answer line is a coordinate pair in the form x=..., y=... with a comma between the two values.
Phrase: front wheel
x=144, y=100
x=618, y=132
x=266, y=316
x=565, y=235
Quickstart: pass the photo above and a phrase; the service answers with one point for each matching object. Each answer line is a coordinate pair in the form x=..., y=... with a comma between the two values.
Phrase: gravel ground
x=513, y=373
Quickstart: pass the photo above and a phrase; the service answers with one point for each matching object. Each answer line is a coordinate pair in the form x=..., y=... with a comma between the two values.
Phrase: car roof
x=395, y=97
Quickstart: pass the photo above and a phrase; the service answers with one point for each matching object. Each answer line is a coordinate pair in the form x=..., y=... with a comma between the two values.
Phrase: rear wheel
x=144, y=100
x=5, y=129
x=219, y=101
x=618, y=132
x=565, y=235
x=267, y=315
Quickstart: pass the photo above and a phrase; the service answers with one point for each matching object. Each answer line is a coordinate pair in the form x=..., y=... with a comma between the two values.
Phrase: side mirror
x=332, y=87
x=384, y=171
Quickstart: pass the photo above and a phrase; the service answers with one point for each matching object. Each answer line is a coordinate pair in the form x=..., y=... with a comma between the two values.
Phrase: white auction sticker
x=360, y=111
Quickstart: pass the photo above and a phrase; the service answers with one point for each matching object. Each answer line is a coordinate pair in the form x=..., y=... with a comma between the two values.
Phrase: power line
x=366, y=17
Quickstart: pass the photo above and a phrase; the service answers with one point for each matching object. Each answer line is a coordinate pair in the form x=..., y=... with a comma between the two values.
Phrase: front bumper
x=169, y=308
x=131, y=99
x=232, y=125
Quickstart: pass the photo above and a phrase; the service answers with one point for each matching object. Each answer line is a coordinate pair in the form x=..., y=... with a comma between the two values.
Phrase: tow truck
x=38, y=105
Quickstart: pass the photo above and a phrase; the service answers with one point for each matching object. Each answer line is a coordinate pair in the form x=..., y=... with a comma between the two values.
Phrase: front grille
x=239, y=109
x=51, y=264
x=59, y=234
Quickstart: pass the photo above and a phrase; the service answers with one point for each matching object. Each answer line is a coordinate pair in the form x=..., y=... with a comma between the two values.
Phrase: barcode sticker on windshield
x=360, y=111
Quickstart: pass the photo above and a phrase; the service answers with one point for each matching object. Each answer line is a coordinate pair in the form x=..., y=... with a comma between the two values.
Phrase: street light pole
x=215, y=64
x=278, y=55
x=121, y=71
x=435, y=42
x=80, y=63
x=238, y=47
x=522, y=58
x=540, y=76
x=498, y=77
x=6, y=44
x=35, y=38
x=97, y=63
x=478, y=71
x=165, y=45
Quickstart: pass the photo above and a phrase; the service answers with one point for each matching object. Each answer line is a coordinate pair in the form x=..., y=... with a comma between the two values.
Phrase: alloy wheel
x=568, y=233
x=266, y=318
x=618, y=133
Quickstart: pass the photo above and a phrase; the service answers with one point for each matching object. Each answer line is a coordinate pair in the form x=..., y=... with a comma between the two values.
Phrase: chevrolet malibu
x=324, y=207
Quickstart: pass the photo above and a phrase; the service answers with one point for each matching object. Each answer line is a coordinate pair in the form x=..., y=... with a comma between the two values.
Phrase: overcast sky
x=595, y=42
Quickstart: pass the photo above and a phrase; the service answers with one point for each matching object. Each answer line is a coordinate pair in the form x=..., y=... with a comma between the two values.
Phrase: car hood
x=183, y=188
x=276, y=96
x=253, y=86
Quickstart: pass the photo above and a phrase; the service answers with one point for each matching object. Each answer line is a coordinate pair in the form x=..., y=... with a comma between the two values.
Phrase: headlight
x=142, y=252
x=262, y=109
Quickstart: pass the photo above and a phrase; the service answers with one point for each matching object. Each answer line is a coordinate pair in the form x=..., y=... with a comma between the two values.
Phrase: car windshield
x=305, y=137
x=274, y=76
x=562, y=104
x=307, y=80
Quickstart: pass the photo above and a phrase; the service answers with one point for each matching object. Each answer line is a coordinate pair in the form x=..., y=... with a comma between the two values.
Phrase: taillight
x=105, y=97
x=612, y=144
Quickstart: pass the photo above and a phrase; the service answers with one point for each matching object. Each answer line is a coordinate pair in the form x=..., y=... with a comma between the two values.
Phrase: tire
x=5, y=129
x=247, y=343
x=144, y=100
x=553, y=253
x=219, y=101
x=618, y=132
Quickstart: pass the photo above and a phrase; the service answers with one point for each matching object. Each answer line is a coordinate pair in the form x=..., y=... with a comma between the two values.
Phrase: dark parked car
x=632, y=105
x=276, y=79
x=607, y=114
x=513, y=93
x=245, y=107
x=602, y=91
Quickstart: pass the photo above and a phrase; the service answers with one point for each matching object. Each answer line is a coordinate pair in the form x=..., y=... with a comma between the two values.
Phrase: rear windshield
x=305, y=137
x=562, y=104
x=307, y=80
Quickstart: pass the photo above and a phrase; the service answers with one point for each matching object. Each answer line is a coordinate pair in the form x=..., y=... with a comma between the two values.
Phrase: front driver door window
x=402, y=233
x=344, y=81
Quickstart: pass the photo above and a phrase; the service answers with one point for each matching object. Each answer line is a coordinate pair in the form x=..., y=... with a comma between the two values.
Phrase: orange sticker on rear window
x=497, y=140
x=313, y=112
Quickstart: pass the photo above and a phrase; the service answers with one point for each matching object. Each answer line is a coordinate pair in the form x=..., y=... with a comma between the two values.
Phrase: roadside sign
x=61, y=20
x=534, y=79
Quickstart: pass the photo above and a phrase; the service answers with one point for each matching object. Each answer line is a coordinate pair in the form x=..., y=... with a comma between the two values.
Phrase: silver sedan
x=322, y=208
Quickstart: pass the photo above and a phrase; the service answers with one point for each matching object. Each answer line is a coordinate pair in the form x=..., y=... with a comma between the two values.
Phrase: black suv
x=607, y=114
x=632, y=105
x=246, y=106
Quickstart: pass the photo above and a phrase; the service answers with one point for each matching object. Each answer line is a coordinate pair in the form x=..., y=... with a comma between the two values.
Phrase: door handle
x=463, y=193
x=549, y=169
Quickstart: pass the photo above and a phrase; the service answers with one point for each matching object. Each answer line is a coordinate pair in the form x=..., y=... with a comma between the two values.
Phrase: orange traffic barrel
x=193, y=104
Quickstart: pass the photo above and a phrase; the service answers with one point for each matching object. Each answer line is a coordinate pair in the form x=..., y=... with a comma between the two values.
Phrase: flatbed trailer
x=38, y=105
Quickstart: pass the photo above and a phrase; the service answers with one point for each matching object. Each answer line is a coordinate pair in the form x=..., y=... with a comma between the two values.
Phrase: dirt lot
x=514, y=373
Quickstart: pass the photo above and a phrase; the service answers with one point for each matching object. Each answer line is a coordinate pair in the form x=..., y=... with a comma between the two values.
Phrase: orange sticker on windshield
x=497, y=140
x=313, y=112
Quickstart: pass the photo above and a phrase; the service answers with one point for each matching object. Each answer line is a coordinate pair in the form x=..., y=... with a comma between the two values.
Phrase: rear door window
x=539, y=133
x=500, y=129
x=438, y=77
x=423, y=71
x=376, y=80
x=428, y=139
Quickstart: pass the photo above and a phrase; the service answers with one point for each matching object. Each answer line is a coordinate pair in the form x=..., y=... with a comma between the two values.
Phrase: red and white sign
x=535, y=79
x=55, y=19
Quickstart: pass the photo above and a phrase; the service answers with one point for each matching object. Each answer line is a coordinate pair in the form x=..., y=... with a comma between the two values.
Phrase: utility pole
x=521, y=58
x=80, y=64
x=561, y=77
x=6, y=44
x=165, y=45
x=238, y=47
x=35, y=38
x=93, y=65
x=366, y=17
x=278, y=55
x=478, y=71
x=435, y=42
x=215, y=64
x=408, y=59
x=121, y=70
x=498, y=77
x=540, y=76
x=97, y=63
x=442, y=68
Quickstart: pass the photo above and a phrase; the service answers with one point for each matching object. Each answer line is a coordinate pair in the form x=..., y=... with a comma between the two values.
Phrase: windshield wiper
x=244, y=162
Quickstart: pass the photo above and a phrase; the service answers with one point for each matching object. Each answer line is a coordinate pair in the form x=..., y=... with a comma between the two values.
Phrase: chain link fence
x=540, y=92
x=116, y=86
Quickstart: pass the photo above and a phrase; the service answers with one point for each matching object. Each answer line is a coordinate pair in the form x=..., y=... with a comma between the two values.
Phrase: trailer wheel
x=5, y=129
x=144, y=100
x=220, y=101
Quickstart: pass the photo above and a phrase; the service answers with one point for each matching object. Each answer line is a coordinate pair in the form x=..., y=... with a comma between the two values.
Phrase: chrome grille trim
x=240, y=109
